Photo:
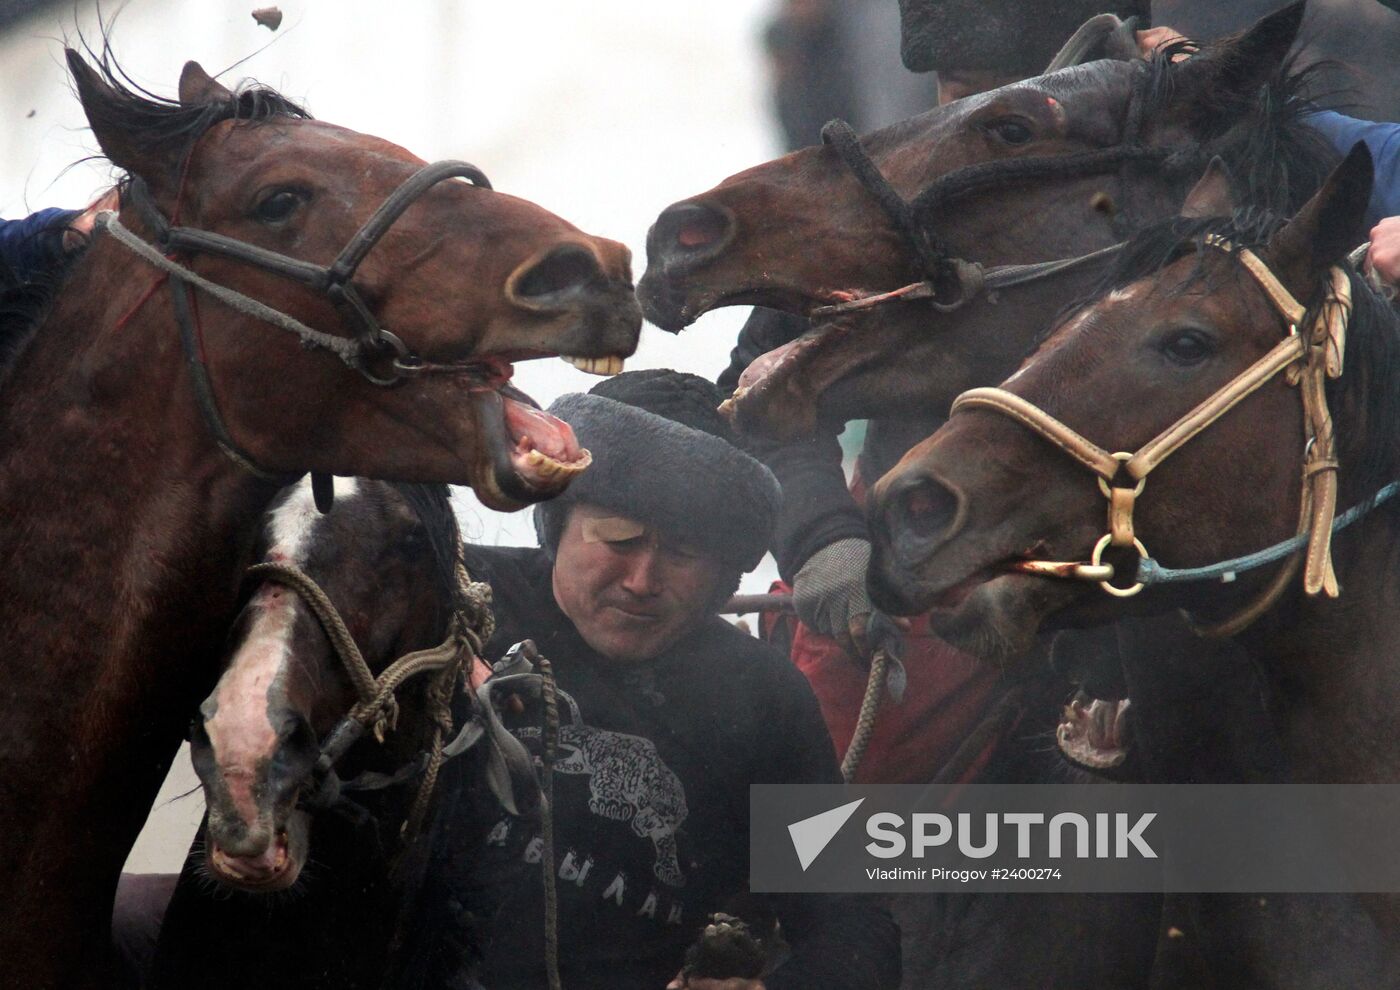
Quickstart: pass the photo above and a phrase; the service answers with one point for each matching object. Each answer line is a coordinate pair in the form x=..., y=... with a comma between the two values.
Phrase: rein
x=377, y=709
x=334, y=281
x=1307, y=360
x=913, y=219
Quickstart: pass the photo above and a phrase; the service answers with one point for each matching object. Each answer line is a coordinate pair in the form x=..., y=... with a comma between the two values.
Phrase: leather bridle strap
x=1308, y=359
x=333, y=280
x=368, y=336
x=934, y=257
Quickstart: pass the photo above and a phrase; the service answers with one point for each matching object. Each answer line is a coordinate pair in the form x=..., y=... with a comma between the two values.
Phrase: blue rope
x=1151, y=572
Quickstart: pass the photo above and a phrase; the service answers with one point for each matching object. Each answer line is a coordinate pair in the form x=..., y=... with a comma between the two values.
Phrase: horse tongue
x=763, y=365
x=777, y=394
x=548, y=434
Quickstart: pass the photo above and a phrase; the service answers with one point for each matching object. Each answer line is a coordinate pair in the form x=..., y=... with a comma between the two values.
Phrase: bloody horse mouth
x=776, y=393
x=1094, y=735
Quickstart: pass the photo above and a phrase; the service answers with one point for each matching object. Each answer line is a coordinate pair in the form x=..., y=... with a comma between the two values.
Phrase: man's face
x=631, y=592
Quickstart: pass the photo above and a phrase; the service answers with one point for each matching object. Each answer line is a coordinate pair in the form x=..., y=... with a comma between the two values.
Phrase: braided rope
x=440, y=709
x=342, y=347
x=472, y=624
x=343, y=643
x=551, y=891
x=865, y=724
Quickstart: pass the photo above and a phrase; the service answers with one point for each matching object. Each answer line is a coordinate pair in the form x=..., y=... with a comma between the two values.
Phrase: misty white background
x=603, y=111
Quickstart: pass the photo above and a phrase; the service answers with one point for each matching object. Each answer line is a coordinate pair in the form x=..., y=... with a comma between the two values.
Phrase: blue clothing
x=1384, y=141
x=34, y=245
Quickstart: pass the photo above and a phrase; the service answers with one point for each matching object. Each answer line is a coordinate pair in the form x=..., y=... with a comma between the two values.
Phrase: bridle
x=1307, y=358
x=376, y=711
x=950, y=282
x=368, y=337
x=522, y=674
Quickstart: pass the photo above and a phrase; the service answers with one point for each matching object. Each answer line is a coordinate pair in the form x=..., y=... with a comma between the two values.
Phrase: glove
x=829, y=591
x=830, y=598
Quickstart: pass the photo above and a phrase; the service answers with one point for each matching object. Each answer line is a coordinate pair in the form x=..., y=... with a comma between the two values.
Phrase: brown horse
x=956, y=521
x=1184, y=320
x=385, y=558
x=1047, y=169
x=147, y=426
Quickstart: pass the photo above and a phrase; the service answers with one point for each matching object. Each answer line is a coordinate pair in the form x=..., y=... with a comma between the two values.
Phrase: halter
x=913, y=219
x=377, y=710
x=1307, y=361
x=335, y=281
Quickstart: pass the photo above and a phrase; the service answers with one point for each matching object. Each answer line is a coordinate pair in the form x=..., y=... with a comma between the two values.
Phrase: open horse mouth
x=1094, y=736
x=533, y=455
x=778, y=393
x=543, y=452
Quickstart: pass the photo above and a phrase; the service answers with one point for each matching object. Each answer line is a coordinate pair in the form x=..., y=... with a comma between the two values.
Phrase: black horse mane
x=1366, y=399
x=127, y=107
x=432, y=505
x=1276, y=161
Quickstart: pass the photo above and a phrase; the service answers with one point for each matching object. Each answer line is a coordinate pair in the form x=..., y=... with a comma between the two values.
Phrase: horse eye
x=279, y=205
x=1009, y=130
x=1187, y=347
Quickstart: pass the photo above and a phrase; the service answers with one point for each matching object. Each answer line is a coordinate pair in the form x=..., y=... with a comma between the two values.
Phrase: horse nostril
x=689, y=230
x=930, y=509
x=565, y=269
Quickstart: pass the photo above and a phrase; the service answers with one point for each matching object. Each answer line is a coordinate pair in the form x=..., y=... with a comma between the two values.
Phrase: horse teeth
x=610, y=365
x=546, y=468
x=729, y=407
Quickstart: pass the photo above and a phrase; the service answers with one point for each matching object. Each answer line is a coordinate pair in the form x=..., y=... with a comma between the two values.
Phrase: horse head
x=387, y=568
x=1191, y=362
x=1051, y=168
x=427, y=285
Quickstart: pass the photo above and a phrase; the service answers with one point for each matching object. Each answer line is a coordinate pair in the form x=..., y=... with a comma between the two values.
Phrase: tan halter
x=1307, y=361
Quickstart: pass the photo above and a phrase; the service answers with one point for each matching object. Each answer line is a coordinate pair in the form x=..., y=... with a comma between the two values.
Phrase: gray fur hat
x=1016, y=37
x=673, y=468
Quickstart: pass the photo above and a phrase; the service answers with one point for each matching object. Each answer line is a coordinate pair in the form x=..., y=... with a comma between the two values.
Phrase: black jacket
x=651, y=811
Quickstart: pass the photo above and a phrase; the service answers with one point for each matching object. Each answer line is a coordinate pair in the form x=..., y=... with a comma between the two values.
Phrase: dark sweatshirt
x=651, y=810
x=34, y=245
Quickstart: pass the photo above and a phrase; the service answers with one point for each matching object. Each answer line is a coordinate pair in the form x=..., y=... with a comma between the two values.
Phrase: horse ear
x=110, y=115
x=1210, y=196
x=198, y=87
x=1327, y=227
x=1214, y=88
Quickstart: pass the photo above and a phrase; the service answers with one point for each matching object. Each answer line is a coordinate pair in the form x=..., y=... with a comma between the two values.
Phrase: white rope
x=342, y=347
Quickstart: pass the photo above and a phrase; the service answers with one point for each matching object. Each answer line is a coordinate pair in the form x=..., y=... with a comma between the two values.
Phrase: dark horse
x=1023, y=174
x=135, y=470
x=386, y=558
x=1179, y=319
x=1047, y=169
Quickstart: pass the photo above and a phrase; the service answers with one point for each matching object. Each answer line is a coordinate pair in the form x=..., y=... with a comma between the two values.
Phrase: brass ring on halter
x=1122, y=457
x=1096, y=558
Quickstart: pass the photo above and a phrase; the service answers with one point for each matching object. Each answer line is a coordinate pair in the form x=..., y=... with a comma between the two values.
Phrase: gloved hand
x=830, y=598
